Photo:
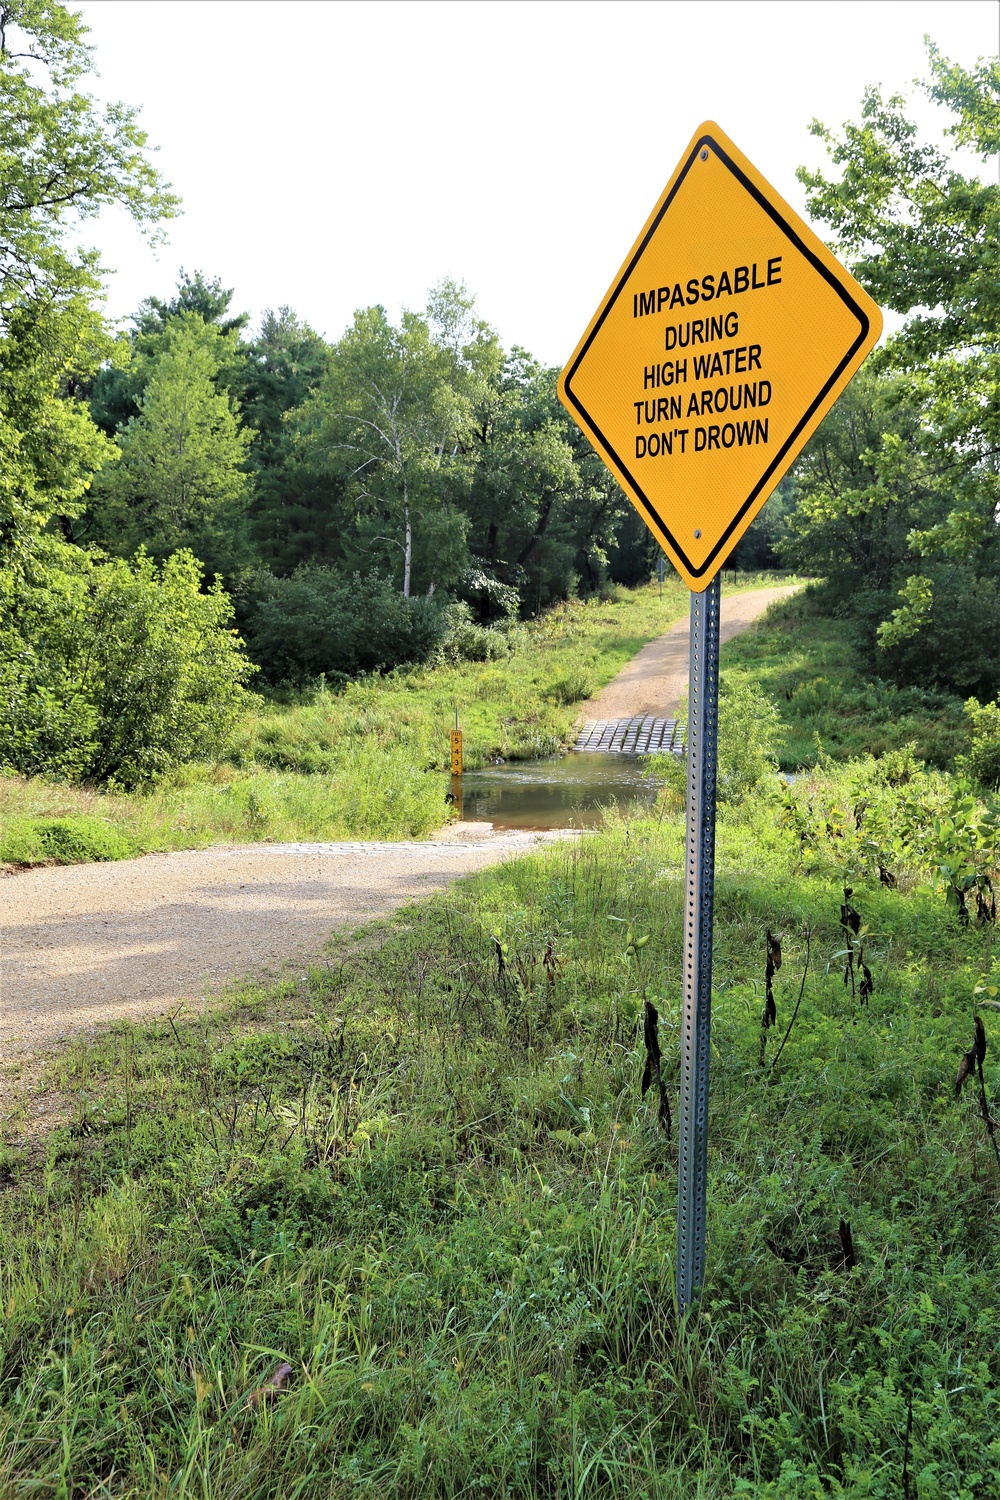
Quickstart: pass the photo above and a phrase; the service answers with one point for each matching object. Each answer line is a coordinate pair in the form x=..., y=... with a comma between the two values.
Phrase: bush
x=114, y=672
x=32, y=841
x=464, y=640
x=569, y=690
x=320, y=623
x=983, y=760
x=947, y=652
x=750, y=731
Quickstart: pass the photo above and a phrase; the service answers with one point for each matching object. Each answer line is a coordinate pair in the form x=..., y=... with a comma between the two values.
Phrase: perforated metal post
x=702, y=743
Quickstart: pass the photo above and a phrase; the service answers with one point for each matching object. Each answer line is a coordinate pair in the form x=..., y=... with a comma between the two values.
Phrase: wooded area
x=412, y=487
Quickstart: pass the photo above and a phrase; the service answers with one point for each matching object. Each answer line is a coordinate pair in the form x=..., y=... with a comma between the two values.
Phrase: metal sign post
x=702, y=761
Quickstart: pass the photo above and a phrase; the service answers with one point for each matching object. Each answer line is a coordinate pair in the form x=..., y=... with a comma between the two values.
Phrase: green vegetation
x=405, y=1226
x=424, y=1177
x=805, y=660
x=897, y=494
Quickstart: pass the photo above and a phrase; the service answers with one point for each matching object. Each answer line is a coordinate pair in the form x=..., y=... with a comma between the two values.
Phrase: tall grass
x=425, y=1177
x=805, y=660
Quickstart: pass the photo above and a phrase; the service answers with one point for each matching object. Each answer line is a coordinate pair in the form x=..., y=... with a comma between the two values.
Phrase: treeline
x=363, y=499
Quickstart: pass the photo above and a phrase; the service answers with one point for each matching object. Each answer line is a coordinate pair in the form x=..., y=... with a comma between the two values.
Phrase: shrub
x=749, y=734
x=32, y=841
x=320, y=622
x=568, y=690
x=114, y=672
x=464, y=640
x=983, y=759
x=750, y=731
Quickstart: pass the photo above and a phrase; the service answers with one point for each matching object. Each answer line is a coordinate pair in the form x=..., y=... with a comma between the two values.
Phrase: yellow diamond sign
x=721, y=345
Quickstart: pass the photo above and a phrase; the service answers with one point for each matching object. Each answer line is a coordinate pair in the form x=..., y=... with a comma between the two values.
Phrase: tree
x=925, y=240
x=62, y=158
x=861, y=487
x=62, y=161
x=181, y=480
x=116, y=390
x=294, y=510
x=387, y=423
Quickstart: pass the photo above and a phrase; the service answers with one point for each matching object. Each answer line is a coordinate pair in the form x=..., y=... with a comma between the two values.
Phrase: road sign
x=723, y=341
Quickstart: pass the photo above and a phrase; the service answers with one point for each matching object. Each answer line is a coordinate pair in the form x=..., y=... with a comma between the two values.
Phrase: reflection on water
x=567, y=791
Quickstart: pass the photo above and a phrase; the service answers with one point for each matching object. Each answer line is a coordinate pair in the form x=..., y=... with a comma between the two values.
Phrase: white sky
x=332, y=154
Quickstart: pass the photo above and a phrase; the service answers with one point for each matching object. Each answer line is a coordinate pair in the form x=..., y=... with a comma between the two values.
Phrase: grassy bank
x=803, y=659
x=425, y=1177
x=361, y=763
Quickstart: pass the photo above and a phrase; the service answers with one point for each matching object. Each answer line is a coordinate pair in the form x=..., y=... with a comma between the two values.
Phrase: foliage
x=387, y=420
x=359, y=762
x=807, y=660
x=64, y=841
x=983, y=759
x=180, y=481
x=430, y=1183
x=63, y=160
x=924, y=241
x=749, y=736
x=114, y=672
x=50, y=448
x=323, y=623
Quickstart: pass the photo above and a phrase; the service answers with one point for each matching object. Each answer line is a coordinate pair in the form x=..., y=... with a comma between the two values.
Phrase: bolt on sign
x=721, y=345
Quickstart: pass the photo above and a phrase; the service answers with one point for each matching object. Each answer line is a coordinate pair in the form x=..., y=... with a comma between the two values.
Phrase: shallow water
x=566, y=791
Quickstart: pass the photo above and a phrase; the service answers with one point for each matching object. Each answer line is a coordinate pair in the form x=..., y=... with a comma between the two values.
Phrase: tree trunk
x=407, y=551
x=540, y=529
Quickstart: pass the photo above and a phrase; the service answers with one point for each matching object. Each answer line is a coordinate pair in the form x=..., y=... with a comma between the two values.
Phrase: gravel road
x=88, y=944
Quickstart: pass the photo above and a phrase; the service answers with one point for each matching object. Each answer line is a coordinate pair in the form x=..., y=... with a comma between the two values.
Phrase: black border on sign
x=814, y=260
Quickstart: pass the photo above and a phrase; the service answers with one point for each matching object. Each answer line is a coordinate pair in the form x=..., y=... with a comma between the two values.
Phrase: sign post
x=699, y=894
x=718, y=349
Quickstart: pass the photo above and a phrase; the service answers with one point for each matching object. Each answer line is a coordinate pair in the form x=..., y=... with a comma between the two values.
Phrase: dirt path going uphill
x=654, y=680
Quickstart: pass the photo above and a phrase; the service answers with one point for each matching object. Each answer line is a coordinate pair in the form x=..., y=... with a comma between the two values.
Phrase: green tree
x=862, y=485
x=925, y=240
x=116, y=390
x=113, y=671
x=387, y=424
x=294, y=510
x=181, y=481
x=61, y=160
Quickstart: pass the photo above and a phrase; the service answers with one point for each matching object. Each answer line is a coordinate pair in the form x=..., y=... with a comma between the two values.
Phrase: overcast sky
x=331, y=155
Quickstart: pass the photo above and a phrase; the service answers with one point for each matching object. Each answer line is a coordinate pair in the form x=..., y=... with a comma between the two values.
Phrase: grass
x=361, y=763
x=424, y=1175
x=803, y=659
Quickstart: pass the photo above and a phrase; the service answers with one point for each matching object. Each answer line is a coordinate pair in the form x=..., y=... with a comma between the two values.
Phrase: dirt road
x=654, y=680
x=88, y=944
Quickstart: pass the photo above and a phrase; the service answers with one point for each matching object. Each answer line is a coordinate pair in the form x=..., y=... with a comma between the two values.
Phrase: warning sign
x=722, y=343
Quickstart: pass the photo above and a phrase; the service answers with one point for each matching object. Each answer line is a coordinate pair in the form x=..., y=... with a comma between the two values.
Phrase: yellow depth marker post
x=456, y=767
x=456, y=748
x=718, y=349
